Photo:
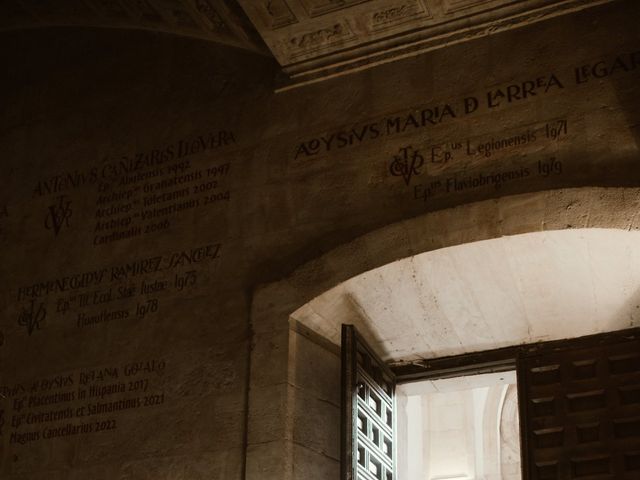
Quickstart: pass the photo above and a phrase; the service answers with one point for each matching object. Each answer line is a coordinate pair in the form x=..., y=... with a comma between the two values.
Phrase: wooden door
x=580, y=410
x=368, y=412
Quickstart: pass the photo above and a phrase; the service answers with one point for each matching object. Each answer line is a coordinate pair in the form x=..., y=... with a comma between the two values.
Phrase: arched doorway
x=294, y=389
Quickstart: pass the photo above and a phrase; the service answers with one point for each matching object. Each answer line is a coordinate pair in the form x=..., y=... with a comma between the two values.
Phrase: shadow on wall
x=360, y=319
x=613, y=125
x=626, y=91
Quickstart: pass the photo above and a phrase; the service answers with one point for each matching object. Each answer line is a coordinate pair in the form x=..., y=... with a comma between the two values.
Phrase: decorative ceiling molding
x=311, y=39
x=317, y=39
x=212, y=20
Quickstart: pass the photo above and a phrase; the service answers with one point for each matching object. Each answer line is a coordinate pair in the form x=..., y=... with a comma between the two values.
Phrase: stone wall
x=153, y=185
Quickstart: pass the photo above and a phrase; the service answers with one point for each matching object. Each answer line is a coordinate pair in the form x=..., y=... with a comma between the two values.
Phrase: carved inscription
x=430, y=116
x=406, y=164
x=58, y=215
x=134, y=167
x=136, y=195
x=79, y=403
x=461, y=156
x=502, y=96
x=476, y=151
x=461, y=182
x=32, y=316
x=141, y=193
x=131, y=290
x=607, y=68
x=145, y=204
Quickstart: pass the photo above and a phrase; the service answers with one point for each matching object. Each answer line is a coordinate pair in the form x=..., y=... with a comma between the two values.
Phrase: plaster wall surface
x=156, y=192
x=491, y=294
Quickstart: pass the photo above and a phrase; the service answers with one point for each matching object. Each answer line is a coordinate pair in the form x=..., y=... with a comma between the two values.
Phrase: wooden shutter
x=580, y=411
x=368, y=412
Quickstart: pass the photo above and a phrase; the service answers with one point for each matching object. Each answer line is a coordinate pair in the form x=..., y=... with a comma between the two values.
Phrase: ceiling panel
x=329, y=36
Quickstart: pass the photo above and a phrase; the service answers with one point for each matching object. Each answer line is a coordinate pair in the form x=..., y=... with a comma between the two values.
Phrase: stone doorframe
x=294, y=386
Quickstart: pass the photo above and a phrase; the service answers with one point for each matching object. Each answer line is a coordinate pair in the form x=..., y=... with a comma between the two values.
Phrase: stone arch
x=590, y=207
x=295, y=372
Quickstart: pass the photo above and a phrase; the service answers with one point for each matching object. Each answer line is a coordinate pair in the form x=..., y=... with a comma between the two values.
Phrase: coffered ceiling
x=311, y=39
x=320, y=37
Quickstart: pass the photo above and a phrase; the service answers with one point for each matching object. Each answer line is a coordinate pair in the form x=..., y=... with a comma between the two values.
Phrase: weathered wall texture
x=151, y=183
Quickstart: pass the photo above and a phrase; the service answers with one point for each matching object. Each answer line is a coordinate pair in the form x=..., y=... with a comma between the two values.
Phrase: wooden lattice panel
x=369, y=405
